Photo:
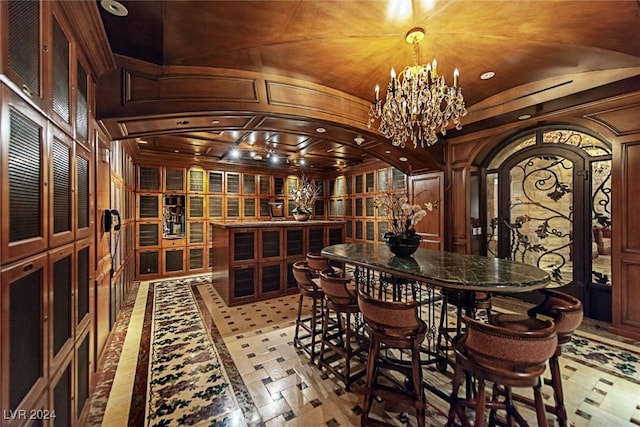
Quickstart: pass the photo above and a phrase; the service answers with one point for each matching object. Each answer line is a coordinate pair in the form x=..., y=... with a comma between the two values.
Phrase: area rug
x=585, y=348
x=615, y=360
x=188, y=384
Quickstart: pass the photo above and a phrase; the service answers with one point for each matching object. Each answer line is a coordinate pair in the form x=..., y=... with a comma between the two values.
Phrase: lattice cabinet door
x=61, y=56
x=61, y=194
x=24, y=174
x=26, y=58
x=25, y=297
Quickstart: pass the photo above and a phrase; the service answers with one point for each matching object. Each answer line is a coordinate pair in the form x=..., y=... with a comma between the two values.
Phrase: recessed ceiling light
x=303, y=162
x=488, y=75
x=403, y=159
x=143, y=141
x=524, y=117
x=114, y=7
x=358, y=140
x=176, y=151
x=235, y=153
x=215, y=122
x=321, y=130
x=387, y=151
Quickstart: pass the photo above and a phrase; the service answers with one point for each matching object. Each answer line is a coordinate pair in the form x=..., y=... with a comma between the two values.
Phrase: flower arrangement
x=304, y=196
x=402, y=215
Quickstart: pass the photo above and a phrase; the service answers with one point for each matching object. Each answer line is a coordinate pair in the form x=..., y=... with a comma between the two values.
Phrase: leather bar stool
x=340, y=345
x=393, y=325
x=308, y=328
x=567, y=314
x=465, y=303
x=506, y=357
x=317, y=262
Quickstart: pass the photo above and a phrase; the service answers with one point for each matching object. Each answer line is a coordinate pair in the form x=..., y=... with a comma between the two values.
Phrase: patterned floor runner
x=606, y=357
x=188, y=384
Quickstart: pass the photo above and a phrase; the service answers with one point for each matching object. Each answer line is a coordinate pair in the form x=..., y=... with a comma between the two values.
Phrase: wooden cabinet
x=25, y=177
x=252, y=261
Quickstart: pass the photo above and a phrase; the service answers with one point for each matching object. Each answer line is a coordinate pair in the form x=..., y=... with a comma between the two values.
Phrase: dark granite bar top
x=445, y=269
x=274, y=223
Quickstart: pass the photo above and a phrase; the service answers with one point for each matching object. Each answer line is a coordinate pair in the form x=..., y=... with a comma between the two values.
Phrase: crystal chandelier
x=418, y=102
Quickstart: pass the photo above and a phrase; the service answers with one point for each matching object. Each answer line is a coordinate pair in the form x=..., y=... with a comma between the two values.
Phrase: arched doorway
x=548, y=204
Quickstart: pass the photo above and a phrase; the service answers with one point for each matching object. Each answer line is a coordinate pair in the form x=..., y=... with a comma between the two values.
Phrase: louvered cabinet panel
x=83, y=192
x=61, y=86
x=61, y=192
x=270, y=243
x=61, y=390
x=278, y=186
x=358, y=230
x=84, y=269
x=83, y=362
x=249, y=183
x=336, y=235
x=233, y=183
x=149, y=234
x=398, y=179
x=318, y=209
x=196, y=207
x=291, y=284
x=25, y=230
x=265, y=211
x=196, y=180
x=369, y=182
x=61, y=263
x=148, y=178
x=216, y=182
x=264, y=185
x=244, y=245
x=173, y=261
x=233, y=207
x=174, y=180
x=215, y=206
x=148, y=206
x=195, y=231
x=270, y=278
x=196, y=259
x=369, y=207
x=148, y=263
x=249, y=207
x=315, y=239
x=24, y=295
x=24, y=54
x=370, y=231
x=243, y=282
x=82, y=104
x=294, y=242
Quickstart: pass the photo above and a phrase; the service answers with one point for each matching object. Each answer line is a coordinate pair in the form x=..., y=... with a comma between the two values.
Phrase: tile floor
x=275, y=385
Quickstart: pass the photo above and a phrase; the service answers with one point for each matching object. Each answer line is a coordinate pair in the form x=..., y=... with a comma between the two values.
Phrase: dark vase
x=403, y=245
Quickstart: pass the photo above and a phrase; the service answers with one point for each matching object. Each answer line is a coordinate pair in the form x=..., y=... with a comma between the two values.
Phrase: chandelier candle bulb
x=377, y=93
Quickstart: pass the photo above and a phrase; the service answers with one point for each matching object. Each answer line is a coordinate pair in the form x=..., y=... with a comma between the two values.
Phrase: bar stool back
x=311, y=325
x=567, y=314
x=341, y=341
x=317, y=262
x=506, y=357
x=393, y=325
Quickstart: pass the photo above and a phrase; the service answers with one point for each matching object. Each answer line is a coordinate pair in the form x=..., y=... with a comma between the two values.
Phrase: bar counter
x=251, y=260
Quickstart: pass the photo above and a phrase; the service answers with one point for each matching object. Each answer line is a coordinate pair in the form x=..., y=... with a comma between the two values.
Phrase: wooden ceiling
x=544, y=54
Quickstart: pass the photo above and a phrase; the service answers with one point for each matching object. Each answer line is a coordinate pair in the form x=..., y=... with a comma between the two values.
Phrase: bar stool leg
x=558, y=394
x=374, y=349
x=540, y=407
x=480, y=403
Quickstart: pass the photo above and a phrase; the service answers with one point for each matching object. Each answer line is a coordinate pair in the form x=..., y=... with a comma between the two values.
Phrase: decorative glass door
x=548, y=204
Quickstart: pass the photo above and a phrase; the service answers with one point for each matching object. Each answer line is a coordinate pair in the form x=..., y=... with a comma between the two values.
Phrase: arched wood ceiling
x=314, y=65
